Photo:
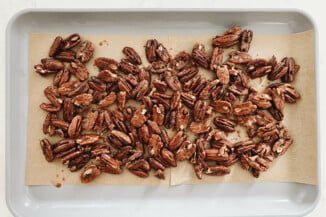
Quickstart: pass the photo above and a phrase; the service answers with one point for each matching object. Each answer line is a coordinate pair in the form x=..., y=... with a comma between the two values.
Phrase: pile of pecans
x=99, y=128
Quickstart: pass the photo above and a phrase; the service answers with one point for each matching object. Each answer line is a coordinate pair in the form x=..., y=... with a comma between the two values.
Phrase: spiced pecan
x=282, y=145
x=163, y=53
x=78, y=69
x=158, y=114
x=87, y=139
x=48, y=66
x=225, y=124
x=56, y=45
x=200, y=127
x=128, y=67
x=239, y=57
x=262, y=100
x=47, y=150
x=132, y=55
x=170, y=118
x=96, y=84
x=169, y=157
x=83, y=99
x=66, y=55
x=143, y=134
x=222, y=73
x=230, y=38
x=108, y=100
x=217, y=170
x=89, y=174
x=217, y=58
x=139, y=117
x=292, y=69
x=199, y=56
x=140, y=91
x=186, y=151
x=85, y=52
x=154, y=145
x=246, y=38
x=187, y=73
x=75, y=126
x=258, y=67
x=71, y=41
x=201, y=110
x=220, y=106
x=158, y=67
x=172, y=80
x=181, y=60
x=104, y=63
x=109, y=165
x=188, y=99
x=150, y=50
x=207, y=91
x=61, y=77
x=244, y=108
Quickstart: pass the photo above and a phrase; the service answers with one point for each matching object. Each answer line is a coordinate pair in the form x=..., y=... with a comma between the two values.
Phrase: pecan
x=229, y=38
x=186, y=151
x=83, y=99
x=104, y=63
x=140, y=91
x=187, y=73
x=138, y=164
x=233, y=158
x=163, y=53
x=175, y=100
x=160, y=85
x=172, y=80
x=244, y=146
x=258, y=67
x=108, y=76
x=182, y=119
x=201, y=110
x=214, y=154
x=99, y=121
x=139, y=117
x=197, y=88
x=75, y=126
x=150, y=50
x=159, y=174
x=292, y=69
x=132, y=55
x=217, y=58
x=47, y=150
x=89, y=173
x=66, y=55
x=268, y=133
x=263, y=149
x=55, y=47
x=143, y=134
x=85, y=52
x=165, y=137
x=180, y=60
x=154, y=145
x=188, y=99
x=286, y=90
x=262, y=100
x=239, y=57
x=177, y=140
x=246, y=38
x=156, y=164
x=217, y=170
x=78, y=162
x=158, y=114
x=108, y=100
x=53, y=96
x=128, y=67
x=200, y=127
x=48, y=127
x=213, y=134
x=223, y=107
x=199, y=57
x=70, y=41
x=60, y=124
x=257, y=163
x=132, y=80
x=87, y=139
x=78, y=69
x=262, y=118
x=158, y=67
x=144, y=75
x=169, y=157
x=153, y=127
x=48, y=66
x=282, y=145
x=123, y=85
x=109, y=165
x=244, y=108
x=279, y=70
x=170, y=119
x=97, y=84
x=140, y=173
x=138, y=153
x=222, y=73
x=62, y=146
x=207, y=91
x=121, y=137
x=278, y=103
x=61, y=77
x=99, y=149
x=121, y=100
x=225, y=124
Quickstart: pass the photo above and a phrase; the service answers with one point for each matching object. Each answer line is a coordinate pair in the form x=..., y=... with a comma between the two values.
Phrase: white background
x=316, y=8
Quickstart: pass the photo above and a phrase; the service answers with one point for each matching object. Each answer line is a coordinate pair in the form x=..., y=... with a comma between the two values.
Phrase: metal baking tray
x=237, y=199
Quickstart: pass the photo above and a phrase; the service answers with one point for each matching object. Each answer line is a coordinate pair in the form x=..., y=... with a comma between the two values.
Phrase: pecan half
x=222, y=73
x=78, y=69
x=200, y=127
x=128, y=67
x=150, y=50
x=177, y=140
x=186, y=151
x=217, y=58
x=163, y=53
x=217, y=171
x=172, y=80
x=244, y=146
x=47, y=150
x=132, y=55
x=244, y=108
x=104, y=63
x=188, y=99
x=71, y=41
x=158, y=114
x=225, y=124
x=181, y=60
x=56, y=45
x=89, y=174
x=85, y=52
x=61, y=77
x=169, y=157
x=75, y=126
x=187, y=73
x=139, y=117
x=223, y=107
x=154, y=145
x=182, y=119
x=246, y=38
x=108, y=100
x=292, y=69
x=199, y=57
x=239, y=57
x=109, y=165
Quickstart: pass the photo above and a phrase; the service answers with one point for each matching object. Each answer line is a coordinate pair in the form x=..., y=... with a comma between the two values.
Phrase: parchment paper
x=299, y=164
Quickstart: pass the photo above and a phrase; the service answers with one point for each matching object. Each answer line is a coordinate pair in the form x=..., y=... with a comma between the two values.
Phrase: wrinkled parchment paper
x=299, y=164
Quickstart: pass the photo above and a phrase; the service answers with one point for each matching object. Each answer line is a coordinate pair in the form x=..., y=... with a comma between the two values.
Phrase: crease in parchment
x=300, y=118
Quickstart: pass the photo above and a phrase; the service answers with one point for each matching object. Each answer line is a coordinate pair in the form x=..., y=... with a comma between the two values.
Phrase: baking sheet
x=299, y=164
